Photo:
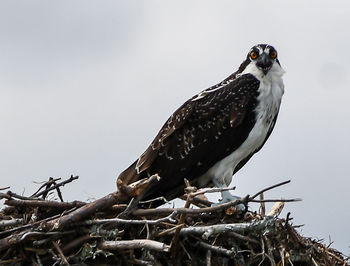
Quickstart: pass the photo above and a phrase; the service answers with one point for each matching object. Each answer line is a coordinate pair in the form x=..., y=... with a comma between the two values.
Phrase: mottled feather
x=183, y=148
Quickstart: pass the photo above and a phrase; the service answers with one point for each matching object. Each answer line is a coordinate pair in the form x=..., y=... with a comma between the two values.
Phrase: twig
x=262, y=205
x=153, y=200
x=219, y=250
x=167, y=231
x=45, y=203
x=208, y=258
x=217, y=208
x=47, y=184
x=11, y=261
x=269, y=251
x=5, y=196
x=23, y=227
x=169, y=218
x=210, y=190
x=134, y=244
x=84, y=211
x=14, y=195
x=275, y=200
x=76, y=243
x=175, y=240
x=60, y=253
x=269, y=188
x=5, y=223
x=4, y=188
x=276, y=209
x=34, y=235
x=72, y=178
x=103, y=203
x=207, y=231
x=242, y=237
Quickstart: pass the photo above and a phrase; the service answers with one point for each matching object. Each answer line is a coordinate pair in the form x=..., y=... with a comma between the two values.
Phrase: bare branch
x=217, y=208
x=169, y=218
x=72, y=178
x=211, y=190
x=45, y=203
x=269, y=188
x=262, y=205
x=207, y=231
x=275, y=200
x=14, y=195
x=276, y=209
x=219, y=250
x=103, y=203
x=46, y=184
x=134, y=244
x=5, y=196
x=63, y=258
x=12, y=222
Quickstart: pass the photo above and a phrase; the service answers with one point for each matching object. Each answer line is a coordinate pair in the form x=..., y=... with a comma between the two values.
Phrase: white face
x=263, y=62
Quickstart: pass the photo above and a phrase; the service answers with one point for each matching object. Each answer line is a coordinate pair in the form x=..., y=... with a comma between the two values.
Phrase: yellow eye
x=273, y=54
x=253, y=55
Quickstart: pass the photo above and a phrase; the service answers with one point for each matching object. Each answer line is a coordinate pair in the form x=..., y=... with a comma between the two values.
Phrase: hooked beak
x=264, y=63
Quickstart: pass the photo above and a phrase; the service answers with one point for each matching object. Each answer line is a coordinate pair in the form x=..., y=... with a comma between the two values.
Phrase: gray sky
x=86, y=85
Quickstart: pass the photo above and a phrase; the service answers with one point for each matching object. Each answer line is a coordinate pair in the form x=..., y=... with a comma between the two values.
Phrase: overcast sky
x=86, y=85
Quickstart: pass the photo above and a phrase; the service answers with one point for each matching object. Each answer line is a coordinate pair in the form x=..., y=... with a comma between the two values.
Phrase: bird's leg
x=227, y=196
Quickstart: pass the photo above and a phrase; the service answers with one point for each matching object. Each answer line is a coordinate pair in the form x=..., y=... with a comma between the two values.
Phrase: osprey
x=213, y=134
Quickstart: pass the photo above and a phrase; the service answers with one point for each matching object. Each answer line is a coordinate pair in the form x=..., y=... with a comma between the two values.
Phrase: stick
x=244, y=238
x=276, y=209
x=211, y=190
x=169, y=218
x=85, y=211
x=63, y=258
x=144, y=212
x=276, y=200
x=175, y=240
x=219, y=250
x=11, y=222
x=133, y=244
x=45, y=203
x=262, y=205
x=72, y=178
x=269, y=188
x=133, y=190
x=207, y=231
x=47, y=183
x=14, y=195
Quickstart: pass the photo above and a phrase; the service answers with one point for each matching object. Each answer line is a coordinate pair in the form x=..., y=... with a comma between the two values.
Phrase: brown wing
x=202, y=131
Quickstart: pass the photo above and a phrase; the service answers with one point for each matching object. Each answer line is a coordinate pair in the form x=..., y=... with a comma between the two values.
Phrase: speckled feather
x=213, y=134
x=183, y=147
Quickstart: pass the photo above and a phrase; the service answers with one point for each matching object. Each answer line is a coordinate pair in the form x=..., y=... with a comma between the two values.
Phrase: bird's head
x=261, y=59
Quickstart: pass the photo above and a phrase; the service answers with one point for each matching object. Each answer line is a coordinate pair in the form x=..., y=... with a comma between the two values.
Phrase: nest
x=38, y=231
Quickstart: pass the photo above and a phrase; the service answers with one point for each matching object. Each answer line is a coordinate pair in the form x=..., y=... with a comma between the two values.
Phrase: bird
x=215, y=133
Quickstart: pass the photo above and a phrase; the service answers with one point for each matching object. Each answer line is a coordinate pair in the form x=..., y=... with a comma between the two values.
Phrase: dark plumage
x=204, y=130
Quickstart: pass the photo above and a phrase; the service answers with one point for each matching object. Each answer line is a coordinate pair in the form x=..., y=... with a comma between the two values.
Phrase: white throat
x=270, y=90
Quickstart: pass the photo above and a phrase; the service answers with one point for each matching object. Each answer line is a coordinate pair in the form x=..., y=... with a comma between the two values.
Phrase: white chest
x=270, y=94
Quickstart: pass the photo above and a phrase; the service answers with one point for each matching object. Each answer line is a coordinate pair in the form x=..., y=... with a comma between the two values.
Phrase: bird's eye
x=253, y=55
x=273, y=54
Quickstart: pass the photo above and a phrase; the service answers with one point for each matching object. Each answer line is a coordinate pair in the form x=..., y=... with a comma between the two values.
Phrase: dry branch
x=207, y=231
x=46, y=232
x=169, y=218
x=45, y=203
x=136, y=243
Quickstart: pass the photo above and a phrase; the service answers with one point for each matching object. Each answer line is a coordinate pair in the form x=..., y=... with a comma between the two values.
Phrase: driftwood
x=113, y=231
